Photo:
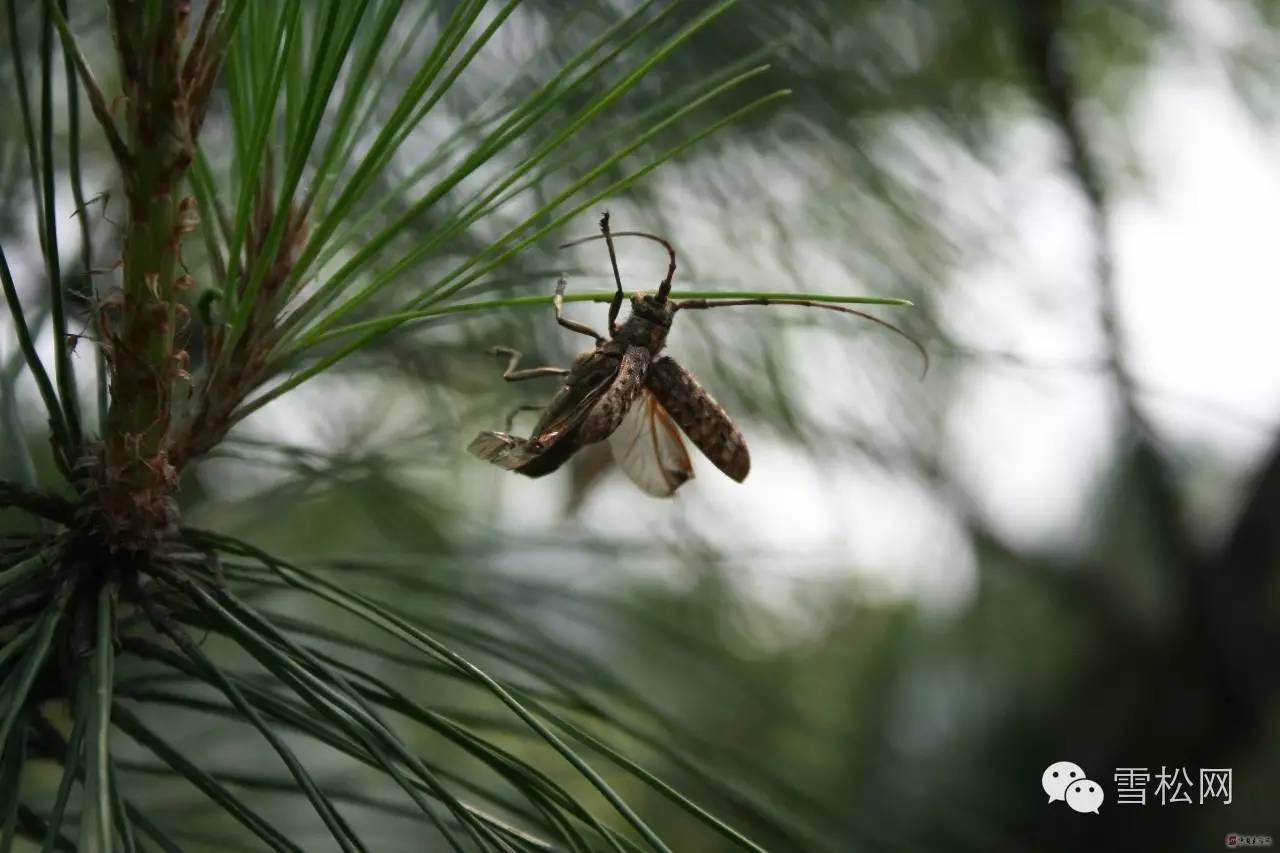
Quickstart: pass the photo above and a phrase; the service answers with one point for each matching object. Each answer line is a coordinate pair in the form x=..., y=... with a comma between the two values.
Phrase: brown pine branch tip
x=155, y=422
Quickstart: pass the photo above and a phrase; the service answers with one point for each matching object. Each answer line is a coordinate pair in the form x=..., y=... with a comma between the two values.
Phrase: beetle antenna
x=700, y=304
x=665, y=287
x=616, y=304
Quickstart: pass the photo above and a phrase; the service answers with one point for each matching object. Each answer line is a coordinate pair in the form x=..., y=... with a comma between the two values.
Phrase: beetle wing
x=648, y=447
x=552, y=443
x=586, y=409
x=504, y=450
x=700, y=416
x=591, y=375
x=592, y=413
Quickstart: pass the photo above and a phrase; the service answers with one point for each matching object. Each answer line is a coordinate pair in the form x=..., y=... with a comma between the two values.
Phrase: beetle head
x=648, y=324
x=656, y=310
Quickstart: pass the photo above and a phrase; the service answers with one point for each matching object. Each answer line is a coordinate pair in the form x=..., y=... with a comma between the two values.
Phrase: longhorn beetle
x=623, y=391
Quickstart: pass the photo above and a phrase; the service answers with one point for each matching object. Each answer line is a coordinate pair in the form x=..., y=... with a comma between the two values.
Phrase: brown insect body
x=624, y=392
x=601, y=391
x=612, y=375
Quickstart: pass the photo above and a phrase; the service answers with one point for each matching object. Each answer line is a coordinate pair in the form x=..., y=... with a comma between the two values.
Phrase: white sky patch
x=1198, y=265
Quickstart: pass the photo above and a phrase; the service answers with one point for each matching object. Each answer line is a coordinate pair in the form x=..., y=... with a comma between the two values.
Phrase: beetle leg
x=580, y=328
x=513, y=375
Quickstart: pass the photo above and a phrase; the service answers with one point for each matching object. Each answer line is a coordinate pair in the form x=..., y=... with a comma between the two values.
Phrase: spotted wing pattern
x=700, y=416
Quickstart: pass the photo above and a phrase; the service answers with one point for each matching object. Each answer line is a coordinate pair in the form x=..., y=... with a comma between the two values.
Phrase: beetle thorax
x=648, y=324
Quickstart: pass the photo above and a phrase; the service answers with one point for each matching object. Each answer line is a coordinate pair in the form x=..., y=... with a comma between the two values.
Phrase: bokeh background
x=1062, y=543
